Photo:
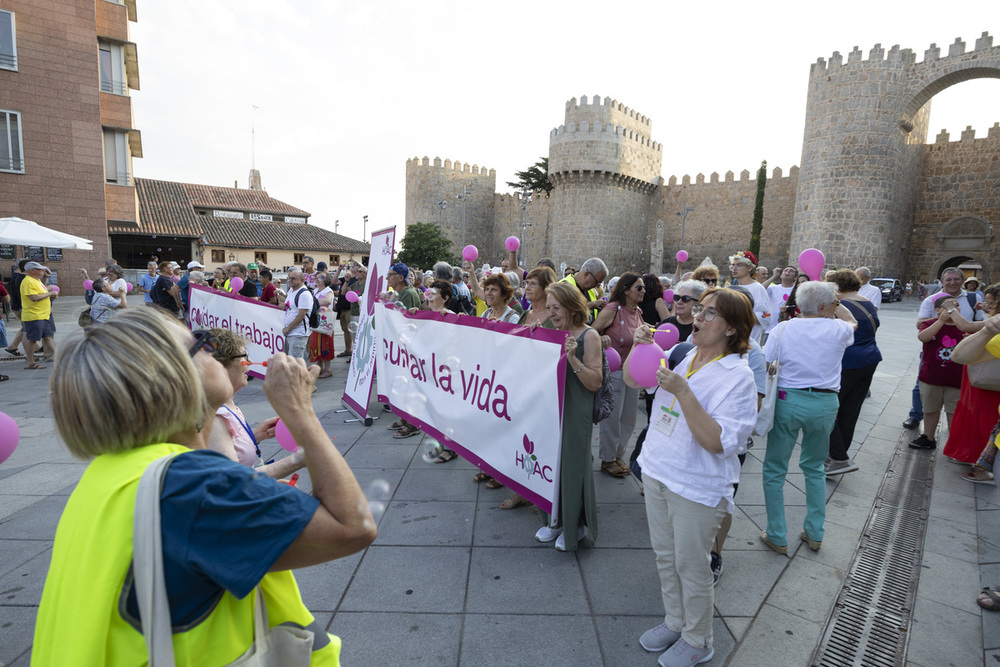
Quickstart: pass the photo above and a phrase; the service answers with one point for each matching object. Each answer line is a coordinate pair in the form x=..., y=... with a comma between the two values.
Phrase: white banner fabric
x=260, y=323
x=491, y=391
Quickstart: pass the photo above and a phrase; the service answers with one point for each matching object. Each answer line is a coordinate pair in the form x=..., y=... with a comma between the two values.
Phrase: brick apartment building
x=67, y=138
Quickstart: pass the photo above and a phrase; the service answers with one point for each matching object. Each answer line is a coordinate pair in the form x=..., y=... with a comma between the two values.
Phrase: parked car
x=892, y=289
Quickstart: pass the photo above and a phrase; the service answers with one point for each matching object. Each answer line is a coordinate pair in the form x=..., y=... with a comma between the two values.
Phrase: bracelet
x=577, y=370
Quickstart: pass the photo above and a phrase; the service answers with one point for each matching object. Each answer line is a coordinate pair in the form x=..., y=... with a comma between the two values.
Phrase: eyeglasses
x=707, y=314
x=711, y=281
x=640, y=288
x=684, y=299
x=240, y=356
x=203, y=341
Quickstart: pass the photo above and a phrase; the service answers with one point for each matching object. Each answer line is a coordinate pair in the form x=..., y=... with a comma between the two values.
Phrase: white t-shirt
x=779, y=295
x=726, y=390
x=810, y=350
x=291, y=311
x=872, y=293
x=927, y=307
x=119, y=286
x=761, y=308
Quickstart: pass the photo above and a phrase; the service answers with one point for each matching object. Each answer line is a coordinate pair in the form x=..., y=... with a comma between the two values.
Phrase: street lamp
x=364, y=227
x=336, y=226
x=465, y=195
x=683, y=214
x=525, y=200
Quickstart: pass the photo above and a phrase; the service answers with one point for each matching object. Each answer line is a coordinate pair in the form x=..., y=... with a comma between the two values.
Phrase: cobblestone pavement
x=454, y=580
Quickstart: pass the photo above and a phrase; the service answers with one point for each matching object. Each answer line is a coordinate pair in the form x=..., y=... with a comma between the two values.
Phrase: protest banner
x=492, y=391
x=258, y=322
x=361, y=374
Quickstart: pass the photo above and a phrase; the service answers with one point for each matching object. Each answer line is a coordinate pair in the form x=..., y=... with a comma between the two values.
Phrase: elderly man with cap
x=398, y=277
x=36, y=309
x=184, y=283
x=592, y=273
x=253, y=277
x=742, y=266
x=237, y=270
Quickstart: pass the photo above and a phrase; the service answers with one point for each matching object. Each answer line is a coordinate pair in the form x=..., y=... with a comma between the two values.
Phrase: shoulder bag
x=282, y=645
x=765, y=416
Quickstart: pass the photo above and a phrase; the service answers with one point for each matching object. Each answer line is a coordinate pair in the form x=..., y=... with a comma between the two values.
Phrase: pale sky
x=348, y=91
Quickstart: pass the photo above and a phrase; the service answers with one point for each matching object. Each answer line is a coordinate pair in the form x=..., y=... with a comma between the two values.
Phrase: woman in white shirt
x=702, y=416
x=809, y=350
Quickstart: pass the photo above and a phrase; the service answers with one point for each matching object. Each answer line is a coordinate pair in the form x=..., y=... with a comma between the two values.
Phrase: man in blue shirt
x=193, y=265
x=146, y=282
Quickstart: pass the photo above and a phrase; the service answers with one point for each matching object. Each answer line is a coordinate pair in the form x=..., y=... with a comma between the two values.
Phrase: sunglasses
x=684, y=299
x=711, y=281
x=204, y=341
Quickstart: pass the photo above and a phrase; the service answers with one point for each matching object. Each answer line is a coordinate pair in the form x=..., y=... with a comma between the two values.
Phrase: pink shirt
x=623, y=328
x=246, y=452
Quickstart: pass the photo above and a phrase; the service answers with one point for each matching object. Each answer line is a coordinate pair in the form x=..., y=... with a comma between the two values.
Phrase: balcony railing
x=116, y=87
x=120, y=178
x=8, y=61
x=11, y=164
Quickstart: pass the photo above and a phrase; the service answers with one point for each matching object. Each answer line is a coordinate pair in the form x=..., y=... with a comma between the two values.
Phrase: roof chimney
x=255, y=180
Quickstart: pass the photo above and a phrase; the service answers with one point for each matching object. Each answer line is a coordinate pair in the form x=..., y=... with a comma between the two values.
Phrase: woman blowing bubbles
x=703, y=413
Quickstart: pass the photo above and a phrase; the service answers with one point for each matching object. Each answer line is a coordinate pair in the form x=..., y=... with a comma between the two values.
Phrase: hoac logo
x=528, y=462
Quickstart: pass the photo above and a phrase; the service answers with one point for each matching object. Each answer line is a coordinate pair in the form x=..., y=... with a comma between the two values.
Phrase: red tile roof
x=168, y=208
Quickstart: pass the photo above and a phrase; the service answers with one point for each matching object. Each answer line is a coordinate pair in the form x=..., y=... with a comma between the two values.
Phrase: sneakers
x=813, y=544
x=716, y=568
x=780, y=548
x=659, y=638
x=546, y=534
x=682, y=654
x=923, y=442
x=561, y=540
x=835, y=467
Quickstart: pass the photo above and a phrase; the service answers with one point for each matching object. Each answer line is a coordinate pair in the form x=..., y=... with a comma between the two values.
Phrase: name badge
x=666, y=420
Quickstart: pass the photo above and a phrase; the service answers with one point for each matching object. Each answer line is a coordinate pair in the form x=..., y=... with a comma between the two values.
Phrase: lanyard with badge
x=668, y=417
x=253, y=438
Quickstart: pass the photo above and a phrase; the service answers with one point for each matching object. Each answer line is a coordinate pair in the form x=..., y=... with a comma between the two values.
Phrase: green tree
x=535, y=178
x=424, y=244
x=758, y=210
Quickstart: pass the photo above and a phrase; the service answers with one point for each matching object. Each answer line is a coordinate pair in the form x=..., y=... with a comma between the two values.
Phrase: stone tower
x=866, y=123
x=437, y=193
x=604, y=167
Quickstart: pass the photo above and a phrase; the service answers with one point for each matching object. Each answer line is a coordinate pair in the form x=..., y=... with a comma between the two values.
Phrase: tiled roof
x=238, y=199
x=168, y=208
x=164, y=208
x=277, y=235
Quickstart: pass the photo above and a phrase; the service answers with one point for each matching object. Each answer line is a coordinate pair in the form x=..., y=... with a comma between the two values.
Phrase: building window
x=260, y=257
x=334, y=260
x=298, y=257
x=117, y=160
x=112, y=60
x=218, y=256
x=8, y=41
x=11, y=149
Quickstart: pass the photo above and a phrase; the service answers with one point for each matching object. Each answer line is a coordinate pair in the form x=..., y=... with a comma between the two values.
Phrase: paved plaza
x=454, y=580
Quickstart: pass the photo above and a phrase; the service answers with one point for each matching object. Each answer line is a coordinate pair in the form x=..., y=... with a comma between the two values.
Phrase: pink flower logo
x=948, y=341
x=529, y=446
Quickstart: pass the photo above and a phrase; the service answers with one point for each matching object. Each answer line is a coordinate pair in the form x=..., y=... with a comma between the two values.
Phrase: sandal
x=480, y=477
x=14, y=351
x=493, y=484
x=989, y=599
x=514, y=502
x=622, y=465
x=395, y=426
x=34, y=367
x=445, y=456
x=978, y=476
x=406, y=432
x=615, y=470
x=4, y=378
x=345, y=353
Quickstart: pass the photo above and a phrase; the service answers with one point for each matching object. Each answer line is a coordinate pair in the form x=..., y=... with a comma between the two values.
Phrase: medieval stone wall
x=958, y=205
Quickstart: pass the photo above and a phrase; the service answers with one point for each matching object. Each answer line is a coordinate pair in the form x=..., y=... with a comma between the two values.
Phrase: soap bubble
x=431, y=449
x=400, y=386
x=377, y=508
x=415, y=403
x=353, y=327
x=378, y=489
x=449, y=432
x=407, y=333
x=452, y=362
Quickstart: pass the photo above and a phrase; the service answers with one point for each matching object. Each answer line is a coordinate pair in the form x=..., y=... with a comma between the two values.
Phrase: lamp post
x=525, y=200
x=465, y=195
x=336, y=226
x=683, y=213
x=443, y=204
x=364, y=227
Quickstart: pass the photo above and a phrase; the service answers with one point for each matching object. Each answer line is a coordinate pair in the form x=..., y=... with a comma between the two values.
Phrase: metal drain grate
x=869, y=623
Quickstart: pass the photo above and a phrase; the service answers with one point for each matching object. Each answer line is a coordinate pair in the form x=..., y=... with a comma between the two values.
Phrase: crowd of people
x=811, y=344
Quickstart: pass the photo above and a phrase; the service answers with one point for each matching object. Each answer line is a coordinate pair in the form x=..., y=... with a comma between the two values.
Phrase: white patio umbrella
x=15, y=231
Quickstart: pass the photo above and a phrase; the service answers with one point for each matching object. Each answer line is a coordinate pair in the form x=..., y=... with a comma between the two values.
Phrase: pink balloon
x=177, y=279
x=666, y=336
x=235, y=284
x=128, y=287
x=614, y=359
x=9, y=435
x=668, y=295
x=644, y=362
x=284, y=437
x=88, y=284
x=682, y=256
x=512, y=244
x=55, y=288
x=470, y=253
x=352, y=297
x=811, y=262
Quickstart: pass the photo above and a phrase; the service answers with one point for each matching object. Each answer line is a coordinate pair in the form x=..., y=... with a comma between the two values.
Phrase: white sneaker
x=659, y=638
x=546, y=534
x=561, y=540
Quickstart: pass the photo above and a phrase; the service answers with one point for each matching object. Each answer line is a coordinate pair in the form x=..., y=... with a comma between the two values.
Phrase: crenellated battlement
x=895, y=55
x=617, y=130
x=777, y=174
x=576, y=111
x=943, y=139
x=456, y=166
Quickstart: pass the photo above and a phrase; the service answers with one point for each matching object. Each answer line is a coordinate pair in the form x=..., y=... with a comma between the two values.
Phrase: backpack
x=314, y=311
x=604, y=398
x=462, y=304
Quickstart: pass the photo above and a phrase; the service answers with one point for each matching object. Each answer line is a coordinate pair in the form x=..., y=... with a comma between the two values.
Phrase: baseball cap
x=401, y=269
x=34, y=265
x=193, y=264
x=253, y=266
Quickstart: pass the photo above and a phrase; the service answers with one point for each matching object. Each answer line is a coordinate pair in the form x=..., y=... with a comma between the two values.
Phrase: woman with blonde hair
x=225, y=529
